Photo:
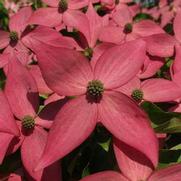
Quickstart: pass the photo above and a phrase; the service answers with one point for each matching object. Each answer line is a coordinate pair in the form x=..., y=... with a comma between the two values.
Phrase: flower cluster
x=74, y=72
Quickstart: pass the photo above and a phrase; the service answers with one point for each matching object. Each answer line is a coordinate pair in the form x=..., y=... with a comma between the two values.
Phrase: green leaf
x=2, y=79
x=3, y=16
x=177, y=147
x=11, y=163
x=101, y=160
x=142, y=16
x=44, y=96
x=3, y=10
x=171, y=126
x=105, y=145
x=168, y=157
x=40, y=108
x=157, y=115
x=86, y=171
x=37, y=4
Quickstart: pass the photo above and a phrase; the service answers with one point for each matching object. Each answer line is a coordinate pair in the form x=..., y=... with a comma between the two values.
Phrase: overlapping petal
x=95, y=25
x=78, y=20
x=147, y=28
x=19, y=21
x=36, y=73
x=114, y=68
x=31, y=151
x=126, y=121
x=170, y=173
x=49, y=36
x=73, y=124
x=161, y=45
x=160, y=90
x=177, y=26
x=7, y=121
x=51, y=17
x=122, y=15
x=4, y=39
x=21, y=90
x=65, y=71
x=5, y=140
x=133, y=164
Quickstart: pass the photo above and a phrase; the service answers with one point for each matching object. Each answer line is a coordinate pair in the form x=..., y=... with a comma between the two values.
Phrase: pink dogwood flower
x=162, y=11
x=160, y=45
x=60, y=13
x=114, y=4
x=165, y=11
x=135, y=166
x=151, y=66
x=22, y=93
x=13, y=7
x=49, y=36
x=153, y=90
x=125, y=29
x=69, y=73
x=41, y=34
x=92, y=31
x=169, y=11
x=12, y=40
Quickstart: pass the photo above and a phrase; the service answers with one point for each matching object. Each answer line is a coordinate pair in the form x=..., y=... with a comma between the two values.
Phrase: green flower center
x=95, y=90
x=88, y=52
x=28, y=122
x=62, y=6
x=137, y=95
x=128, y=28
x=13, y=36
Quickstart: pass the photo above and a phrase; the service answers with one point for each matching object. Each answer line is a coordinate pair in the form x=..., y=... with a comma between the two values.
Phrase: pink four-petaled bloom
x=69, y=73
x=60, y=13
x=12, y=40
x=122, y=27
x=154, y=90
x=22, y=95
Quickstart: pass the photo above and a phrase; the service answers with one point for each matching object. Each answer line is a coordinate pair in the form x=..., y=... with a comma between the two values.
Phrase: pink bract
x=33, y=137
x=153, y=90
x=12, y=40
x=60, y=14
x=68, y=73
